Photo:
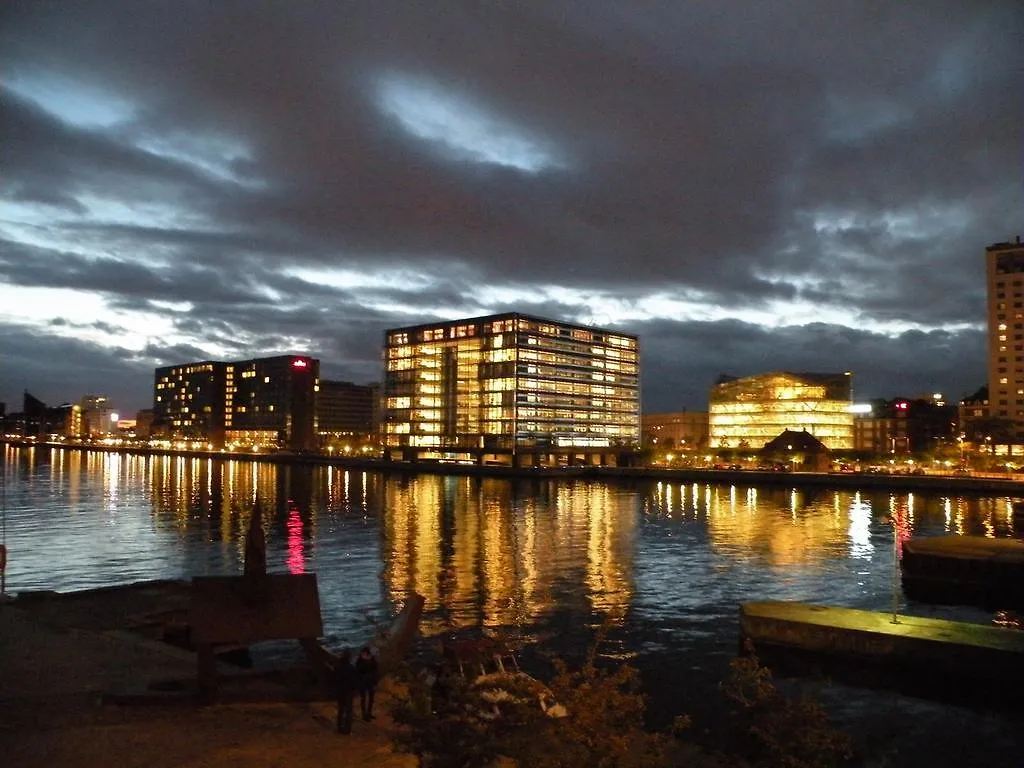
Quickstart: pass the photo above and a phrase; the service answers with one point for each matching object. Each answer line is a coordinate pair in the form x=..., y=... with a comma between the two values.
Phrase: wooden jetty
x=964, y=569
x=936, y=657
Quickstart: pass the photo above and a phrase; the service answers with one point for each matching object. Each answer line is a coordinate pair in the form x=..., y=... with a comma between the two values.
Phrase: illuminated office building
x=266, y=402
x=511, y=389
x=1005, y=283
x=750, y=412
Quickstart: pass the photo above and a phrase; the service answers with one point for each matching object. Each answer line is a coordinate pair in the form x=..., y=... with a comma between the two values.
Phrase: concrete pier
x=964, y=569
x=958, y=656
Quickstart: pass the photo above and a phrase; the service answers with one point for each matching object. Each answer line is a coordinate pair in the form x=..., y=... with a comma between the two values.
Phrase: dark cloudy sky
x=749, y=186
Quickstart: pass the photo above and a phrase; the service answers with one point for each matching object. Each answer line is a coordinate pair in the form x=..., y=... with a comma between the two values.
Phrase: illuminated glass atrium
x=502, y=387
x=750, y=412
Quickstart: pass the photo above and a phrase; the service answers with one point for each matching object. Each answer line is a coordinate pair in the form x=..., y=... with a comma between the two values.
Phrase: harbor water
x=657, y=568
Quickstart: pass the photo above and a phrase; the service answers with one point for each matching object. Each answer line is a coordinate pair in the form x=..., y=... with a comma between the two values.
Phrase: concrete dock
x=964, y=569
x=915, y=650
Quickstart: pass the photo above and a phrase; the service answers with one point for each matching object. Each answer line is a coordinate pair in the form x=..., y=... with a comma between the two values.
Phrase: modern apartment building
x=271, y=401
x=1005, y=283
x=266, y=402
x=511, y=389
x=188, y=402
x=750, y=412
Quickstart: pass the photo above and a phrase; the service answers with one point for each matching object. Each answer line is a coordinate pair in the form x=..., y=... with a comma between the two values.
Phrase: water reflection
x=484, y=552
x=664, y=564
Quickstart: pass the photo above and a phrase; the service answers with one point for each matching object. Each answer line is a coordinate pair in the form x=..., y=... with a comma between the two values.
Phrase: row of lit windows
x=625, y=352
x=527, y=427
x=501, y=327
x=577, y=388
x=562, y=360
x=498, y=351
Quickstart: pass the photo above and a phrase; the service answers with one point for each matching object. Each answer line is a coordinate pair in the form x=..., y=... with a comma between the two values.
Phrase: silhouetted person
x=345, y=688
x=366, y=678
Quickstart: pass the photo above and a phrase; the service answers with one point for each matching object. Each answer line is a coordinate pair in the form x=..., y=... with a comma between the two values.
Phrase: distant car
x=918, y=471
x=735, y=466
x=961, y=471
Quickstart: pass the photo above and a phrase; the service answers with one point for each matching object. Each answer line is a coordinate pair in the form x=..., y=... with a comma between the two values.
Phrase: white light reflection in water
x=860, y=529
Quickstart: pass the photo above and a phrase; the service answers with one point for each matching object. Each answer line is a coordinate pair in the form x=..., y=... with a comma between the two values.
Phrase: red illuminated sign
x=298, y=363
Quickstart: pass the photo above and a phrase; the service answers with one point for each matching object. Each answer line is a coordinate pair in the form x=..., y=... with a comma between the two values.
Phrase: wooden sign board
x=243, y=610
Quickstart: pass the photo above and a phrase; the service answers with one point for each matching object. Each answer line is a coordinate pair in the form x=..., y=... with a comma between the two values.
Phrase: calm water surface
x=662, y=565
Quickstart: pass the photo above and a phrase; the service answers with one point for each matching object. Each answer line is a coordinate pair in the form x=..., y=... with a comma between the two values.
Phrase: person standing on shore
x=366, y=678
x=345, y=688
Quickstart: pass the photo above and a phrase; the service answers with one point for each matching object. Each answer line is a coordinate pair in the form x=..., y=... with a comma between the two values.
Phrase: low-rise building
x=347, y=412
x=677, y=431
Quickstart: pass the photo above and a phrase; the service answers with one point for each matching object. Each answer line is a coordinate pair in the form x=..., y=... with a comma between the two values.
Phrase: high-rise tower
x=1005, y=283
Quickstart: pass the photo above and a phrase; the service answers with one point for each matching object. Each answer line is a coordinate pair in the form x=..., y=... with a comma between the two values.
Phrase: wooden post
x=3, y=571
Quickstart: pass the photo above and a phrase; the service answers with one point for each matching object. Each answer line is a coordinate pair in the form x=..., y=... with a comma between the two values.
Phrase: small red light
x=298, y=363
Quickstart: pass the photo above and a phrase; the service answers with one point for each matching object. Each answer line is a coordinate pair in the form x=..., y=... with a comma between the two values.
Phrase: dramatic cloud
x=747, y=186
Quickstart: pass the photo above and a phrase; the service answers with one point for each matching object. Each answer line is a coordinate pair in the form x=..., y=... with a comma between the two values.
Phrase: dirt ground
x=66, y=660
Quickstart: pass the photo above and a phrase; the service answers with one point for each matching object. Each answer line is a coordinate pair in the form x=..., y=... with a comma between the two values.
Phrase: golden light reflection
x=610, y=543
x=492, y=559
x=785, y=527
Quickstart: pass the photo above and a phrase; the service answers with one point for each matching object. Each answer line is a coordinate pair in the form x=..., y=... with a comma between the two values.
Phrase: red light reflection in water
x=296, y=560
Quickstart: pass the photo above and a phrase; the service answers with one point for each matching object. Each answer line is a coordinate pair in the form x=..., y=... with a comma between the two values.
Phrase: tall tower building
x=1005, y=282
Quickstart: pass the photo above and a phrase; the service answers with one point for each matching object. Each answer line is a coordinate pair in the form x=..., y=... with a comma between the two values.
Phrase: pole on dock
x=895, y=569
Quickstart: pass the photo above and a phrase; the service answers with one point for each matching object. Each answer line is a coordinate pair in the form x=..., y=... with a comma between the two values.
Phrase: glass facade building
x=510, y=388
x=750, y=412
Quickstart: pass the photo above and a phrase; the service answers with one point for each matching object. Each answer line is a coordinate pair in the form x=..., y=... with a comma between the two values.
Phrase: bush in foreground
x=461, y=725
x=781, y=731
x=456, y=724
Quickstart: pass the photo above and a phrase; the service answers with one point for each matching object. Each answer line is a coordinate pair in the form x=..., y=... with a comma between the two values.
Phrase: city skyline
x=747, y=189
